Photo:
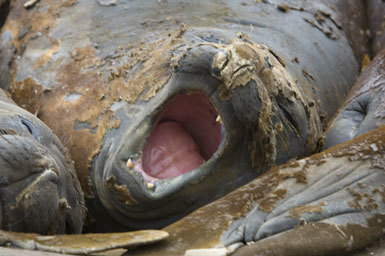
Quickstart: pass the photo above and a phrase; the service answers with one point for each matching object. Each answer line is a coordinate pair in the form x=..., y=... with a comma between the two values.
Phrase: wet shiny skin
x=170, y=151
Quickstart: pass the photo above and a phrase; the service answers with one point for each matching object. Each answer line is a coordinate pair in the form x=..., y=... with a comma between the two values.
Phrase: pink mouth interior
x=185, y=135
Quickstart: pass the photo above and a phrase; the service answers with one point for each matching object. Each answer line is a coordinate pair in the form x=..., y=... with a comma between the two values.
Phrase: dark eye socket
x=28, y=125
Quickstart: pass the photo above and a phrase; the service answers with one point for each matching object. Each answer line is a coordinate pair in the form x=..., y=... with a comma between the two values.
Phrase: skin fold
x=364, y=108
x=275, y=72
x=39, y=188
x=345, y=210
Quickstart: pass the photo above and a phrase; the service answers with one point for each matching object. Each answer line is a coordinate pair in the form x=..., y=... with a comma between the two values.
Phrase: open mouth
x=185, y=135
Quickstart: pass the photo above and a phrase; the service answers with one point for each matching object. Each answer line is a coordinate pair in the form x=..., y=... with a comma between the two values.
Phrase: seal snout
x=29, y=186
x=185, y=135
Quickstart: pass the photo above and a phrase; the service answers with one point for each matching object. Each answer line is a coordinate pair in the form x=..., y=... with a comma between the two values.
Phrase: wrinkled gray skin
x=323, y=60
x=257, y=224
x=339, y=209
x=363, y=111
x=364, y=108
x=39, y=190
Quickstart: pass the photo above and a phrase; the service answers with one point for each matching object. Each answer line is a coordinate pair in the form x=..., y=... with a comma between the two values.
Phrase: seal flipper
x=342, y=187
x=316, y=239
x=335, y=189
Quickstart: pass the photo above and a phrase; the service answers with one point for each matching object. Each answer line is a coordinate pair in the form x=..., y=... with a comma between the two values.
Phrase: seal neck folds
x=184, y=136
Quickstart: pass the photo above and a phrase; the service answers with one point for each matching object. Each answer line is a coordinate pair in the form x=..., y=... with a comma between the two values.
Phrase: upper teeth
x=150, y=185
x=129, y=163
x=219, y=119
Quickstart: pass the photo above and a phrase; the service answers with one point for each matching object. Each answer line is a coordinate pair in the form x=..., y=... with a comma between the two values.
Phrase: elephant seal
x=240, y=87
x=39, y=189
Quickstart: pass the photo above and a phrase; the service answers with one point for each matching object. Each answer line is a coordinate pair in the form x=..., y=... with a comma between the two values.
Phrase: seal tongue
x=184, y=136
x=170, y=151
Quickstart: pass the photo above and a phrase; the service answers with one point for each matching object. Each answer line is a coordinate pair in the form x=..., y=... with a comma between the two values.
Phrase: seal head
x=39, y=190
x=213, y=126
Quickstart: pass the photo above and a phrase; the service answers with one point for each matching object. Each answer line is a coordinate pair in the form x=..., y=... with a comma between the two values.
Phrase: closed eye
x=29, y=127
x=288, y=116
